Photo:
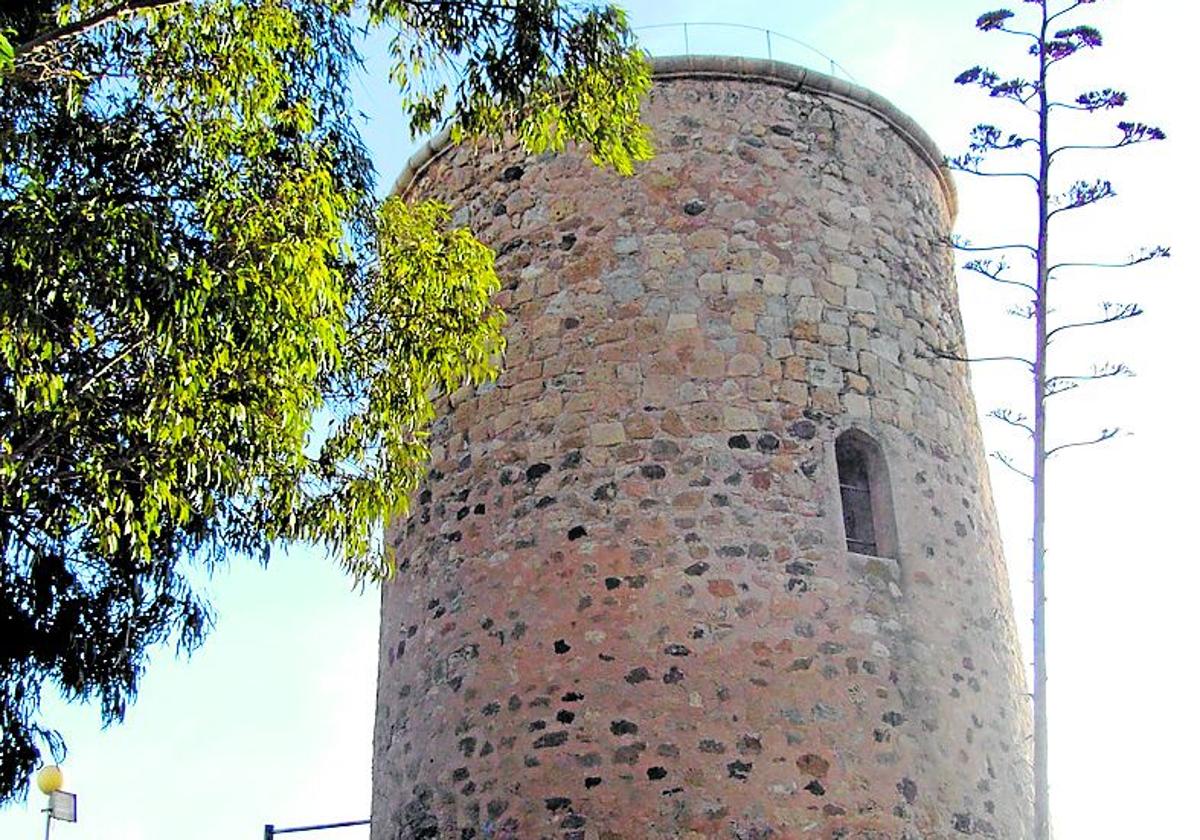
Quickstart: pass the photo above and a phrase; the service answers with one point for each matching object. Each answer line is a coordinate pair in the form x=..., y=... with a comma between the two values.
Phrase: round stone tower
x=716, y=556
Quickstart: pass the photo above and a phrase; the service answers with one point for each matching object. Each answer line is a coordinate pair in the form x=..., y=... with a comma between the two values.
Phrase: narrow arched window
x=866, y=495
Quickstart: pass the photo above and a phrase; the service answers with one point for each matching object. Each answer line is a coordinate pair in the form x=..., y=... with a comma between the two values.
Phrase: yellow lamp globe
x=49, y=779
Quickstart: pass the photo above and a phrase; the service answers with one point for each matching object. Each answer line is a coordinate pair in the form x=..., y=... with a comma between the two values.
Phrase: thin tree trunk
x=1041, y=781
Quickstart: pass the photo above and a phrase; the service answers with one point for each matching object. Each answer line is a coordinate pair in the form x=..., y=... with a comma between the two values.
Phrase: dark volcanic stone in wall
x=626, y=608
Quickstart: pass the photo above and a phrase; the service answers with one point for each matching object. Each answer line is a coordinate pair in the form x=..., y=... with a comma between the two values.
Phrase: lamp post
x=60, y=804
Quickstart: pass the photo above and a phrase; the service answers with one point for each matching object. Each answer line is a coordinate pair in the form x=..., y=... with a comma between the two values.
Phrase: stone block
x=843, y=275
x=738, y=284
x=860, y=299
x=857, y=405
x=744, y=364
x=607, y=434
x=738, y=419
x=743, y=320
x=681, y=321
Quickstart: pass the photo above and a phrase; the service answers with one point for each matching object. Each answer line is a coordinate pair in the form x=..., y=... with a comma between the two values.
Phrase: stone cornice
x=765, y=71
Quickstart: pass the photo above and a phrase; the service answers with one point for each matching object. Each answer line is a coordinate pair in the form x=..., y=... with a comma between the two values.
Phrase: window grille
x=866, y=496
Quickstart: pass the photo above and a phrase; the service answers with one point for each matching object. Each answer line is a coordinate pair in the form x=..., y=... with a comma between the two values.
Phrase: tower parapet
x=716, y=556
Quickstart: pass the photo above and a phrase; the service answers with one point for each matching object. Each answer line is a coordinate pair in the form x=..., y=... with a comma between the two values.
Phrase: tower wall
x=625, y=606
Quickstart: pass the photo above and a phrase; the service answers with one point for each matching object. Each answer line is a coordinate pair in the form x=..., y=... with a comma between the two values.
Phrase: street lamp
x=270, y=831
x=49, y=779
x=61, y=804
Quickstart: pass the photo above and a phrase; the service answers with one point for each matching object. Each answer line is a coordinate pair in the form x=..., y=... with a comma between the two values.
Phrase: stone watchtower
x=717, y=556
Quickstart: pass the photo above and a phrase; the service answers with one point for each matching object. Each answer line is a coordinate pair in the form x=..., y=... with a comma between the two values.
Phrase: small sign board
x=62, y=806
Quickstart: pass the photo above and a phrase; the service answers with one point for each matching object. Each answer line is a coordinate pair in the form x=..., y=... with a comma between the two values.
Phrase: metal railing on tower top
x=719, y=38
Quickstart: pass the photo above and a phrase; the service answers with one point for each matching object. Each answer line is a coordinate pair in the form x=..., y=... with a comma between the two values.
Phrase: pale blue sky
x=271, y=720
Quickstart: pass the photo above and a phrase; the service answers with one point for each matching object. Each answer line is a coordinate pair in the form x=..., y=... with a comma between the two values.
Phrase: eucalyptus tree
x=1036, y=152
x=194, y=269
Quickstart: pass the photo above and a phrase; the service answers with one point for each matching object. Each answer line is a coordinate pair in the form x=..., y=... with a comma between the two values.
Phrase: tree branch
x=1105, y=434
x=1104, y=99
x=79, y=27
x=958, y=167
x=1146, y=255
x=1059, y=384
x=1017, y=421
x=113, y=362
x=952, y=357
x=992, y=269
x=1028, y=311
x=1072, y=106
x=1006, y=461
x=987, y=138
x=1117, y=145
x=1113, y=312
x=1016, y=89
x=1008, y=31
x=1082, y=194
x=964, y=245
x=1131, y=135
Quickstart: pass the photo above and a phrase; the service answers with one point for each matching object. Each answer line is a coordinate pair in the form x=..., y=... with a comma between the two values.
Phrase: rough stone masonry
x=626, y=608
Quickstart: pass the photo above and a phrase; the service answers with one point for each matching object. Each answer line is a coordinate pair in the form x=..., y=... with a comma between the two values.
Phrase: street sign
x=62, y=806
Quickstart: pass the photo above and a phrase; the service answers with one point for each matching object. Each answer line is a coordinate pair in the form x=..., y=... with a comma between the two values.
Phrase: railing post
x=835, y=69
x=268, y=832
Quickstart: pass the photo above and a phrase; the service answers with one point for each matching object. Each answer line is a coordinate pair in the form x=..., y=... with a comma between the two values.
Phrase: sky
x=271, y=720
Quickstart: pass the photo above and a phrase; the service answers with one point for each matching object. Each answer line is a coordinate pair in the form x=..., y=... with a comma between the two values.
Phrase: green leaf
x=6, y=51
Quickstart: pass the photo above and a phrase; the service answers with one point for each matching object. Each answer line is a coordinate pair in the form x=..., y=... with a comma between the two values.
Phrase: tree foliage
x=213, y=338
x=1035, y=154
